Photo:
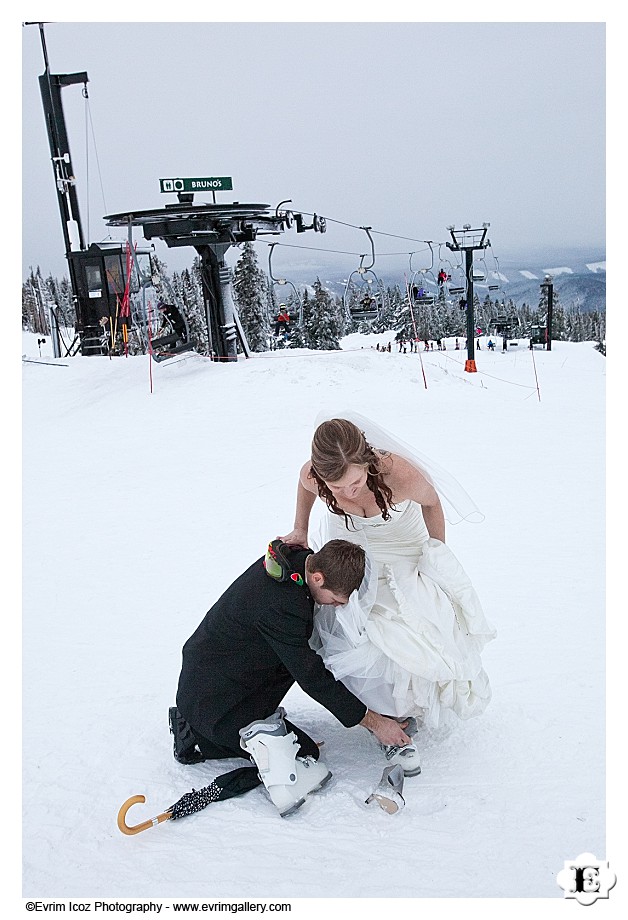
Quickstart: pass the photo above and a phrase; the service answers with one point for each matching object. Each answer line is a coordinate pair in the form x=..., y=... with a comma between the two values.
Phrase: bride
x=409, y=642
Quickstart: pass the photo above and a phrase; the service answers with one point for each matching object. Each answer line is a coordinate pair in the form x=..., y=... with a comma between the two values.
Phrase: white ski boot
x=388, y=793
x=289, y=779
x=407, y=755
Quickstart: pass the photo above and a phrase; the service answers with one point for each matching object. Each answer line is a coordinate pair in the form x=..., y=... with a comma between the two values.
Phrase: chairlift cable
x=379, y=232
x=341, y=252
x=87, y=163
x=95, y=145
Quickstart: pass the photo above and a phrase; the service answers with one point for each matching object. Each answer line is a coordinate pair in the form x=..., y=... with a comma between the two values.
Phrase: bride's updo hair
x=337, y=444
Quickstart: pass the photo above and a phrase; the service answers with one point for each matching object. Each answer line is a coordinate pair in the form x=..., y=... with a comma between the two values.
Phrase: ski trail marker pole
x=535, y=375
x=416, y=339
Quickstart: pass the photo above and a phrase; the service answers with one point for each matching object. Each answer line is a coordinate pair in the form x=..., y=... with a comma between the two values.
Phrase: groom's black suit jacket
x=250, y=648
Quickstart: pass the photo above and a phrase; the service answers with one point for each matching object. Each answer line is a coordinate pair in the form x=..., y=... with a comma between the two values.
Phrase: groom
x=249, y=650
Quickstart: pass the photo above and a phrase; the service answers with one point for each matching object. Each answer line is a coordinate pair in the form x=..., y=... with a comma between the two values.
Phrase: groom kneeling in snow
x=251, y=647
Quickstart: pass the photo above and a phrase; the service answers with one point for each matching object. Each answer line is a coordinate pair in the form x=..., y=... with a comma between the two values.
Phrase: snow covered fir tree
x=324, y=325
x=39, y=295
x=251, y=295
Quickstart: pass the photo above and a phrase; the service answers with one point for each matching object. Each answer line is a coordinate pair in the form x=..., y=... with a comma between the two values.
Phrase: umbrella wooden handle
x=137, y=828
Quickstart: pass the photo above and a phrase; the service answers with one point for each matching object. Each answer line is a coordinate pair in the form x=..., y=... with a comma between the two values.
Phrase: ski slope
x=147, y=490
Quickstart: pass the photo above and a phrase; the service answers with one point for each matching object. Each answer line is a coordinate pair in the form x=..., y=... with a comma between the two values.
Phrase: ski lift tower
x=468, y=241
x=97, y=271
x=548, y=286
x=212, y=228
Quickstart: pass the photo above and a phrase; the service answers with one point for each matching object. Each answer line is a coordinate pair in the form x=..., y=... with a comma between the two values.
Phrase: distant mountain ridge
x=579, y=278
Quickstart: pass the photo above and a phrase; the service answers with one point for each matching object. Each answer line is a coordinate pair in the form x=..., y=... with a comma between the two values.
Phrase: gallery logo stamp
x=586, y=879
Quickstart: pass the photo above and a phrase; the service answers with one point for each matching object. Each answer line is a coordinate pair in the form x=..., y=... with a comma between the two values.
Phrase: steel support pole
x=550, y=310
x=54, y=330
x=470, y=364
x=219, y=307
x=229, y=329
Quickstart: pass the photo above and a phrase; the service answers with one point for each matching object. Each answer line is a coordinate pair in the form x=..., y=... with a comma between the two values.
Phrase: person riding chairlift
x=282, y=320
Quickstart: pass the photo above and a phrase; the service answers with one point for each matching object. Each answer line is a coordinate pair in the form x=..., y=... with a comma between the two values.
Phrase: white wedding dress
x=409, y=642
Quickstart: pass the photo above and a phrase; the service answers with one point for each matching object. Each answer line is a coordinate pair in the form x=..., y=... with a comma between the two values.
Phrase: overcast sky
x=407, y=127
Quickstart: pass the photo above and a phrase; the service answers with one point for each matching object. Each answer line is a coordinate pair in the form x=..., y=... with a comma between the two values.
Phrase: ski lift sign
x=210, y=184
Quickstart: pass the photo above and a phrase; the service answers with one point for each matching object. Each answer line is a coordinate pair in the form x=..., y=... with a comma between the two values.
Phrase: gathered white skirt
x=410, y=641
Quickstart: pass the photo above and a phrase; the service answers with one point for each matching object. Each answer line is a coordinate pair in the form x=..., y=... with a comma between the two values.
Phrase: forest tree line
x=318, y=319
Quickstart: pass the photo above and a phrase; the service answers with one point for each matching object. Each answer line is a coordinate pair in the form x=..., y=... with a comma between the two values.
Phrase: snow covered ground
x=140, y=507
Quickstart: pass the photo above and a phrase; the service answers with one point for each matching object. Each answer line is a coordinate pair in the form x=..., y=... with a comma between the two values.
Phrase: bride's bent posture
x=408, y=643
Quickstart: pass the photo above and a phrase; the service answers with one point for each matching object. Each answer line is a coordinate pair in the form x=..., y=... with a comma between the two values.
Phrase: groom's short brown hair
x=341, y=564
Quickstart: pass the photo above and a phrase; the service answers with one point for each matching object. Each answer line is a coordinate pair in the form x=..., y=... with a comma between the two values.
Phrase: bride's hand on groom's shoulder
x=295, y=538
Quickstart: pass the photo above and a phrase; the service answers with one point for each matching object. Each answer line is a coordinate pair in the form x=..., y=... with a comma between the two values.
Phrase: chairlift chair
x=175, y=334
x=449, y=270
x=538, y=335
x=418, y=278
x=282, y=282
x=495, y=286
x=360, y=300
x=456, y=280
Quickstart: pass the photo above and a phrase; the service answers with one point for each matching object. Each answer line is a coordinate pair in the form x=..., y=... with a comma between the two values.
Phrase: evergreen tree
x=272, y=305
x=250, y=291
x=576, y=326
x=67, y=307
x=343, y=323
x=484, y=314
x=29, y=304
x=161, y=281
x=428, y=322
x=324, y=323
x=196, y=316
x=36, y=300
x=438, y=325
x=299, y=335
x=599, y=327
x=398, y=314
x=456, y=317
x=525, y=319
x=558, y=331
